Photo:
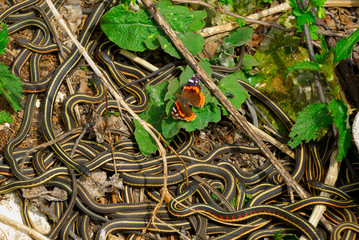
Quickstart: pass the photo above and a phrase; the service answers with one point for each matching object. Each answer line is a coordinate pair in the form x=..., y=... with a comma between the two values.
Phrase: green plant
x=307, y=16
x=162, y=99
x=235, y=39
x=316, y=117
x=10, y=86
x=119, y=22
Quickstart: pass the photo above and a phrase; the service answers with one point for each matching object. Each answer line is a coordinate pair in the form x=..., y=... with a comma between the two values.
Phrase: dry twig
x=22, y=228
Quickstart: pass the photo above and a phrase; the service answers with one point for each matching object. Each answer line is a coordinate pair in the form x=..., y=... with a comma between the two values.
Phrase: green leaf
x=303, y=17
x=318, y=3
x=128, y=29
x=5, y=117
x=313, y=31
x=293, y=4
x=250, y=78
x=321, y=13
x=239, y=36
x=240, y=22
x=304, y=65
x=154, y=112
x=193, y=41
x=146, y=143
x=3, y=38
x=136, y=31
x=158, y=113
x=10, y=87
x=309, y=123
x=226, y=2
x=230, y=85
x=249, y=62
x=340, y=116
x=345, y=46
x=321, y=58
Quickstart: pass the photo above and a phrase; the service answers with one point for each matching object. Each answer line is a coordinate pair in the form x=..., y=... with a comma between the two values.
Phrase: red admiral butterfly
x=191, y=96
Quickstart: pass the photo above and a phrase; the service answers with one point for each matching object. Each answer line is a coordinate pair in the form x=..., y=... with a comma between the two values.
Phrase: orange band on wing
x=197, y=89
x=201, y=100
x=191, y=118
x=183, y=116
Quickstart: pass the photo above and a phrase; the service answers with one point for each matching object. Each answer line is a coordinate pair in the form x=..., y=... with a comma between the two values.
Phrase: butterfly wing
x=182, y=111
x=192, y=92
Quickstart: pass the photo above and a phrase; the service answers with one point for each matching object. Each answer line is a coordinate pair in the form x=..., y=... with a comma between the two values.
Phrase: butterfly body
x=191, y=96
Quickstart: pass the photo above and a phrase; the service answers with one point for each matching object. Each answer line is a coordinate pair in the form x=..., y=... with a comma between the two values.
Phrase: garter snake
x=127, y=153
x=58, y=78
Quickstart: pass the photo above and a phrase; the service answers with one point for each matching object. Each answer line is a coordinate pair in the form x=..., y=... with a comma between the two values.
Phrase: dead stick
x=239, y=119
x=25, y=229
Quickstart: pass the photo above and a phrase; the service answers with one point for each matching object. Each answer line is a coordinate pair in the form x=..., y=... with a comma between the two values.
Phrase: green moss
x=277, y=52
x=246, y=7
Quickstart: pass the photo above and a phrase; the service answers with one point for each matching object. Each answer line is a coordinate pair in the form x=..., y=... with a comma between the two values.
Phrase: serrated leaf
x=10, y=87
x=304, y=65
x=239, y=36
x=309, y=123
x=135, y=30
x=345, y=46
x=340, y=117
x=3, y=38
x=303, y=17
x=293, y=4
x=5, y=117
x=321, y=58
x=229, y=85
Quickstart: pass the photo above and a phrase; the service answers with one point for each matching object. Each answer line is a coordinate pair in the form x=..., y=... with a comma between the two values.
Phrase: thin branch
x=271, y=11
x=283, y=147
x=25, y=229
